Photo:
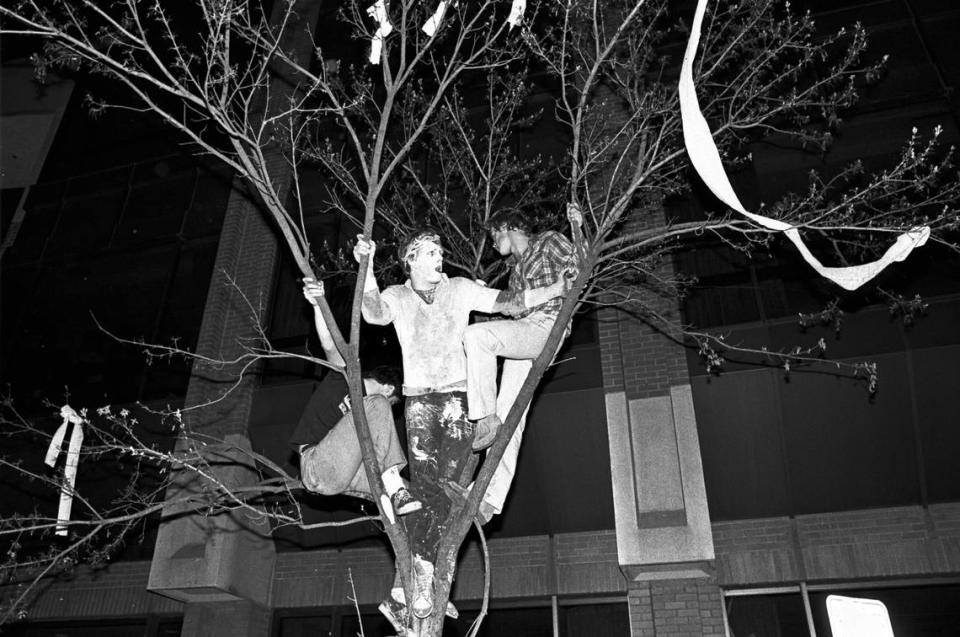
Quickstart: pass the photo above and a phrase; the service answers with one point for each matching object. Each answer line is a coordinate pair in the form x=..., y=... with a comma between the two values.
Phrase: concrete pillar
x=227, y=557
x=660, y=503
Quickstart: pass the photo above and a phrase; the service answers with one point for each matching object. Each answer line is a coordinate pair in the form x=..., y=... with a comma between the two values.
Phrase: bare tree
x=213, y=87
x=760, y=71
x=477, y=159
x=135, y=449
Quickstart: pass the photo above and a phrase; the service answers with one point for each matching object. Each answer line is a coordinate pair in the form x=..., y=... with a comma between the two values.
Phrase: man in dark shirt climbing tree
x=330, y=458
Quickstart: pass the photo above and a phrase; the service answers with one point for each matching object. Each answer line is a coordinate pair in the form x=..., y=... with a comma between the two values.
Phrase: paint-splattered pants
x=439, y=437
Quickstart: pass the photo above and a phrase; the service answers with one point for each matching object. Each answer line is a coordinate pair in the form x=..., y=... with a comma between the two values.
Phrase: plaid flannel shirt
x=547, y=255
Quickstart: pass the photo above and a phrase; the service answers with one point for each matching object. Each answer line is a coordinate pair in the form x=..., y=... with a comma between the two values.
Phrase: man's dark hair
x=387, y=375
x=508, y=219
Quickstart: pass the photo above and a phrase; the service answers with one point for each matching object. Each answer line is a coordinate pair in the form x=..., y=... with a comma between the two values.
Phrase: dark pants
x=439, y=437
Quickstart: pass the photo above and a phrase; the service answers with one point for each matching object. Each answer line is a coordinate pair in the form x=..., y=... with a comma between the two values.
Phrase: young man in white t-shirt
x=430, y=313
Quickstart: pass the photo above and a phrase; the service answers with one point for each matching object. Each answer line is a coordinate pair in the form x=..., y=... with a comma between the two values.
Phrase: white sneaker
x=422, y=588
x=398, y=596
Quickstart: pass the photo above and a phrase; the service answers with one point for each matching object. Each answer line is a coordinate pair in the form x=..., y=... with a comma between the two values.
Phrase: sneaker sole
x=410, y=508
x=480, y=445
x=398, y=596
x=421, y=613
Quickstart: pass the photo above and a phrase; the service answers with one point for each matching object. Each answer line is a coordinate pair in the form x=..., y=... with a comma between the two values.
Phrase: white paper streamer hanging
x=433, y=22
x=70, y=467
x=378, y=11
x=516, y=12
x=706, y=160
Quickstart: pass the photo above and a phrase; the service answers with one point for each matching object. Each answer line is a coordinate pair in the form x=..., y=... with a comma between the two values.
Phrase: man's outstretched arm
x=373, y=307
x=511, y=302
x=312, y=291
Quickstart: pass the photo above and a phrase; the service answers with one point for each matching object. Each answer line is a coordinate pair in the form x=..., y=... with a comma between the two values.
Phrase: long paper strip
x=378, y=11
x=70, y=468
x=433, y=22
x=706, y=160
x=516, y=12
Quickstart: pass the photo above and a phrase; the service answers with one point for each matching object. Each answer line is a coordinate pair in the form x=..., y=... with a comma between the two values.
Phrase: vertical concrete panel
x=658, y=482
x=655, y=460
x=621, y=469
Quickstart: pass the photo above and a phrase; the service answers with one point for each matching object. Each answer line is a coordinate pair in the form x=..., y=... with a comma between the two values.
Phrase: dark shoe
x=403, y=502
x=486, y=432
x=396, y=614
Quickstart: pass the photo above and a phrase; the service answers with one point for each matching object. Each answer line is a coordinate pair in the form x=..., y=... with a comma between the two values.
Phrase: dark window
x=518, y=622
x=815, y=441
x=152, y=626
x=761, y=615
x=588, y=620
x=169, y=627
x=344, y=622
x=313, y=626
x=109, y=247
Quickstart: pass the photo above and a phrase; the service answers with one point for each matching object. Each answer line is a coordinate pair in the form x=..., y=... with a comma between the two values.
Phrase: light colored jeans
x=518, y=342
x=335, y=464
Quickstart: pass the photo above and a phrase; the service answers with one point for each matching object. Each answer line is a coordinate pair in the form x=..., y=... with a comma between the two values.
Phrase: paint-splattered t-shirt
x=430, y=334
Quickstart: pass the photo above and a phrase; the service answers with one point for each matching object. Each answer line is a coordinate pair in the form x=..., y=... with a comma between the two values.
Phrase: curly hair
x=508, y=219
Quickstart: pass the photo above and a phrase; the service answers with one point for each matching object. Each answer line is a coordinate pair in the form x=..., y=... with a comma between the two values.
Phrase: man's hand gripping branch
x=313, y=292
x=373, y=309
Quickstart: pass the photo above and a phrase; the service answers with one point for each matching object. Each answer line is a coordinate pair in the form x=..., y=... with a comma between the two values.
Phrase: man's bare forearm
x=509, y=302
x=326, y=339
x=373, y=308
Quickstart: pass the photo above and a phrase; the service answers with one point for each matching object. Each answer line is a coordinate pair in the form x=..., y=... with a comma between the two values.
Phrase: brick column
x=202, y=558
x=678, y=608
x=664, y=539
x=222, y=565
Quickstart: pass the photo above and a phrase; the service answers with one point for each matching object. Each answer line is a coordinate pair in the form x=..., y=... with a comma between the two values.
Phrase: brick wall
x=611, y=359
x=532, y=566
x=652, y=362
x=894, y=542
x=876, y=543
x=587, y=563
x=117, y=591
x=675, y=608
x=752, y=551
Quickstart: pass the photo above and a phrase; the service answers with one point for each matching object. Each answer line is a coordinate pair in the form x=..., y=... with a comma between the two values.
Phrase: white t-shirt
x=431, y=334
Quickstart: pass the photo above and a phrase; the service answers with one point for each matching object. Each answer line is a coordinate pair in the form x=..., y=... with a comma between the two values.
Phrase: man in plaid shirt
x=538, y=260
